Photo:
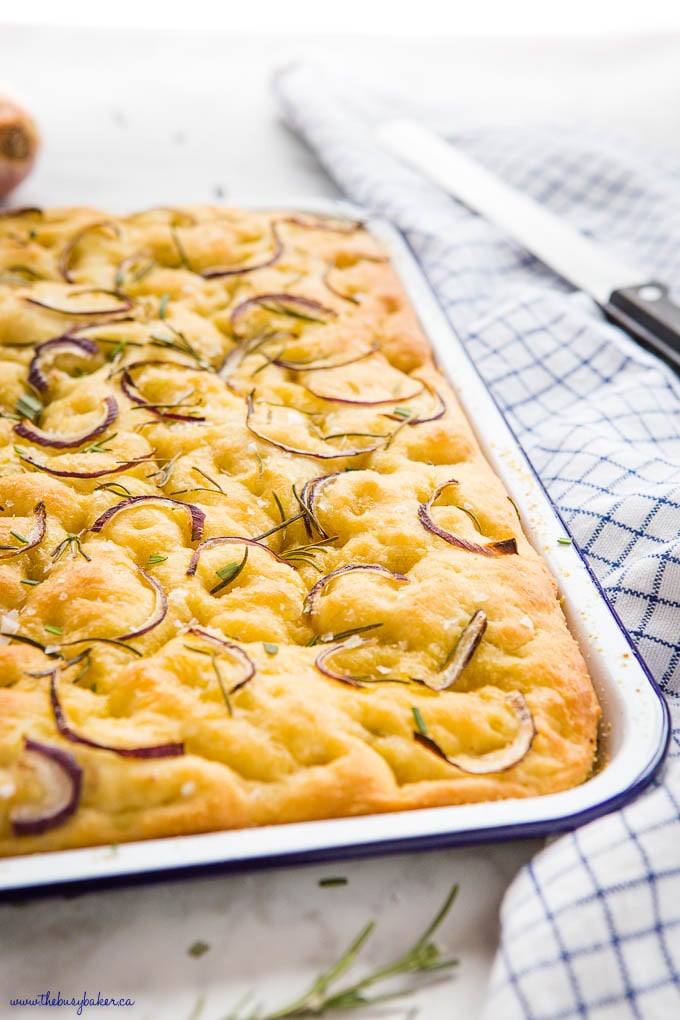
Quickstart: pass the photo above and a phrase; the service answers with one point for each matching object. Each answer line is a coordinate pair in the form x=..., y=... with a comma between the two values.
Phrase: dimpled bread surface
x=187, y=389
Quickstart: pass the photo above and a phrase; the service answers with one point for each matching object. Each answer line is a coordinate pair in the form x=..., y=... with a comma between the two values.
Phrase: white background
x=361, y=17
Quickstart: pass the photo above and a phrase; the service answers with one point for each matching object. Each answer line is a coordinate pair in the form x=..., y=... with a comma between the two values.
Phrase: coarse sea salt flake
x=188, y=788
x=9, y=624
x=354, y=641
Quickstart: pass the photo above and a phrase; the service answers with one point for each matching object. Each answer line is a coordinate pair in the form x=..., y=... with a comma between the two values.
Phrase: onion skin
x=505, y=547
x=170, y=750
x=343, y=678
x=75, y=313
x=335, y=226
x=59, y=344
x=19, y=144
x=468, y=643
x=129, y=388
x=364, y=403
x=233, y=649
x=27, y=821
x=64, y=442
x=308, y=308
x=437, y=412
x=308, y=497
x=216, y=272
x=49, y=470
x=311, y=602
x=210, y=543
x=314, y=455
x=196, y=516
x=67, y=253
x=36, y=537
x=310, y=366
x=495, y=761
x=158, y=614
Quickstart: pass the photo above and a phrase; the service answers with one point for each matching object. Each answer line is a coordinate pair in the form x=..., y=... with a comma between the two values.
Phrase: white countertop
x=130, y=119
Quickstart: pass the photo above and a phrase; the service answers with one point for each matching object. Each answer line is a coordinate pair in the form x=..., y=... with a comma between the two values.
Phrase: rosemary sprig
x=423, y=957
x=178, y=342
x=117, y=488
x=473, y=517
x=218, y=676
x=71, y=542
x=229, y=573
x=208, y=478
x=163, y=474
x=280, y=527
x=306, y=553
x=29, y=406
x=97, y=446
x=282, y=515
x=181, y=251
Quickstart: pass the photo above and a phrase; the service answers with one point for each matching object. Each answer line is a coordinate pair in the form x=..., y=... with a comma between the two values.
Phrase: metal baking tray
x=634, y=734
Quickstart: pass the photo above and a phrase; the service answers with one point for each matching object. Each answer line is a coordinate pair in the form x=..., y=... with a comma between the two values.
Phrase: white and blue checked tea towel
x=591, y=928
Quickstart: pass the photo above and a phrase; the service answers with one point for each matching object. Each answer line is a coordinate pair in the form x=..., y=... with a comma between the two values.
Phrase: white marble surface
x=130, y=119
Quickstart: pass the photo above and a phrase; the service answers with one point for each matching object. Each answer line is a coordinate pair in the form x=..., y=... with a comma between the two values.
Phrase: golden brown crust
x=297, y=744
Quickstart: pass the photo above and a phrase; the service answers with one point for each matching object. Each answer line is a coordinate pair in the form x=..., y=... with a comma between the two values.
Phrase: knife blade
x=640, y=306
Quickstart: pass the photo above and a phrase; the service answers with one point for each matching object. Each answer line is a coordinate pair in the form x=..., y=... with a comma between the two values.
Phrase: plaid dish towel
x=591, y=928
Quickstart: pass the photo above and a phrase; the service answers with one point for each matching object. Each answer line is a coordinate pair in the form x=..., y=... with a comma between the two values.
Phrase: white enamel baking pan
x=635, y=730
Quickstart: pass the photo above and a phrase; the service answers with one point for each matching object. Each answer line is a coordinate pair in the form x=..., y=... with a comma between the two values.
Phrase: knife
x=641, y=307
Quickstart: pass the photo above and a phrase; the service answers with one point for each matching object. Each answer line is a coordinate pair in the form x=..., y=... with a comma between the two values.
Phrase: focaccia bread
x=254, y=567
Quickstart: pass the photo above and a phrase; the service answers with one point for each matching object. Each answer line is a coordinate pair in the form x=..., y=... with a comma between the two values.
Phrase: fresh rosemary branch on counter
x=324, y=997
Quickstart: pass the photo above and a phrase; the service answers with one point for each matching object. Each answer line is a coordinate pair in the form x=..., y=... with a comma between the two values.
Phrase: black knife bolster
x=648, y=314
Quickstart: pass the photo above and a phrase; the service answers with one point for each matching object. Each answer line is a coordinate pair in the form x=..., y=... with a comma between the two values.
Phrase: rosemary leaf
x=29, y=406
x=228, y=573
x=423, y=957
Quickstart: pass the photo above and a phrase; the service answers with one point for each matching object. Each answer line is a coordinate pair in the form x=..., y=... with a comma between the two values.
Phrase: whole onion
x=19, y=143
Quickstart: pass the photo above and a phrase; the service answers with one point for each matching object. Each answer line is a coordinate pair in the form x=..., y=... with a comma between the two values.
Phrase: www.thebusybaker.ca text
x=50, y=998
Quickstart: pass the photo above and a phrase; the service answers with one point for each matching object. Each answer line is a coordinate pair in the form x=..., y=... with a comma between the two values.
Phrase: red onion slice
x=364, y=403
x=78, y=346
x=466, y=647
x=62, y=779
x=196, y=516
x=211, y=543
x=309, y=496
x=69, y=248
x=124, y=305
x=232, y=649
x=438, y=411
x=169, y=750
x=35, y=537
x=159, y=610
x=505, y=547
x=218, y=271
x=494, y=761
x=282, y=304
x=117, y=469
x=334, y=290
x=314, y=454
x=335, y=226
x=321, y=662
x=130, y=390
x=60, y=441
x=321, y=366
x=311, y=602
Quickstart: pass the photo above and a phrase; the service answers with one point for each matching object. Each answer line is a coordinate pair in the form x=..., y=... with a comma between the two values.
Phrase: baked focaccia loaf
x=254, y=567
